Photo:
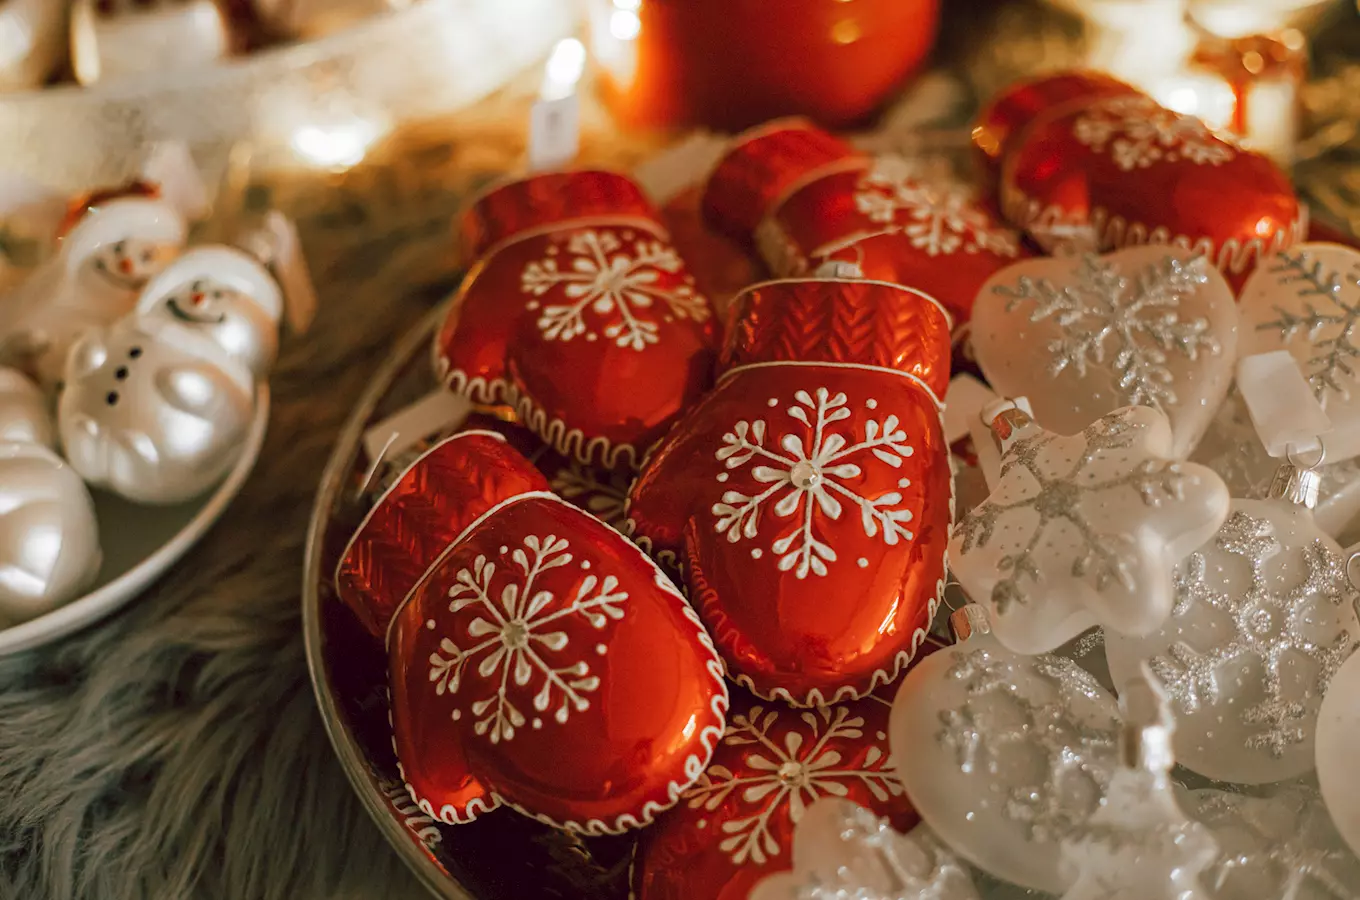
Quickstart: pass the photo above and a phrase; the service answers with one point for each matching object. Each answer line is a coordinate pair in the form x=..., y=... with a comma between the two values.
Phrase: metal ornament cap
x=1295, y=485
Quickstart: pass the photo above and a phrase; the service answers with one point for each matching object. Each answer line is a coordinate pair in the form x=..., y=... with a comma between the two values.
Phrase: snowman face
x=128, y=264
x=229, y=318
x=147, y=419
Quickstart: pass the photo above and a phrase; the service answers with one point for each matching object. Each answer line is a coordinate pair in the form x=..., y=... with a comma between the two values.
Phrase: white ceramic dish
x=140, y=543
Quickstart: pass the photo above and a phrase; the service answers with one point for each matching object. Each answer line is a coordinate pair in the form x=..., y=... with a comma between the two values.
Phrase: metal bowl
x=502, y=856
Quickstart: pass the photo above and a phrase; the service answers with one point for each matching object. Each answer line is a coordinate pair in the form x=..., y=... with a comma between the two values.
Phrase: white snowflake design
x=617, y=286
x=811, y=477
x=604, y=498
x=1131, y=320
x=515, y=642
x=941, y=217
x=997, y=720
x=787, y=777
x=1331, y=369
x=1266, y=624
x=1139, y=133
x=1058, y=498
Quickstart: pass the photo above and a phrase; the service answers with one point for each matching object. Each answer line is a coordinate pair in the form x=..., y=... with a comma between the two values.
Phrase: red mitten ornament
x=543, y=662
x=1121, y=170
x=808, y=496
x=805, y=197
x=736, y=824
x=578, y=313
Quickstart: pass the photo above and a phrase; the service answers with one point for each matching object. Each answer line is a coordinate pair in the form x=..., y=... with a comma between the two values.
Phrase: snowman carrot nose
x=197, y=298
x=125, y=265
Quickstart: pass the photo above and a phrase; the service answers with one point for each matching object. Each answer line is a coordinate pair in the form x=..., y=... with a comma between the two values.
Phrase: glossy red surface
x=720, y=841
x=541, y=661
x=800, y=421
x=419, y=515
x=592, y=330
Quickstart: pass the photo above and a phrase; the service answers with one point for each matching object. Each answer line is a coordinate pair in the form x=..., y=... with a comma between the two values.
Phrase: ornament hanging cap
x=1297, y=484
x=1145, y=741
x=969, y=621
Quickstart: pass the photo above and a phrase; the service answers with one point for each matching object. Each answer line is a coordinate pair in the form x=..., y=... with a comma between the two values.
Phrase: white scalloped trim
x=1116, y=232
x=694, y=765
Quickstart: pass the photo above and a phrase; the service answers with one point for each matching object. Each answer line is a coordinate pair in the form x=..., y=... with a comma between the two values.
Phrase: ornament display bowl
x=349, y=676
x=140, y=543
x=312, y=105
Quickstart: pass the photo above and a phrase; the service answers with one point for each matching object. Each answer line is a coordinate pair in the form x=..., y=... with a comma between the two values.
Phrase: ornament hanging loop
x=1294, y=455
x=1296, y=481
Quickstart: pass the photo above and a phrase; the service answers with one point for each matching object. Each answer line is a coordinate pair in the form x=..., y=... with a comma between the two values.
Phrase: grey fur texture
x=175, y=751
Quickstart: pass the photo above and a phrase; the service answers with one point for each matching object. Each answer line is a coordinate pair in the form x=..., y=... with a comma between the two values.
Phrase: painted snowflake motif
x=812, y=477
x=1266, y=625
x=787, y=777
x=618, y=287
x=1058, y=495
x=604, y=498
x=1139, y=133
x=941, y=218
x=1332, y=368
x=1133, y=321
x=998, y=724
x=515, y=643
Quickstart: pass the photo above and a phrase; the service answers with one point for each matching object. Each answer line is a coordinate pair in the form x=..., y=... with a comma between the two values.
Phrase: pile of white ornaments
x=135, y=359
x=1099, y=556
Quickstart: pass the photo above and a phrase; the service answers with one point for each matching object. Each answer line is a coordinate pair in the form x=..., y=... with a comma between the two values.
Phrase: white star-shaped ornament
x=1083, y=530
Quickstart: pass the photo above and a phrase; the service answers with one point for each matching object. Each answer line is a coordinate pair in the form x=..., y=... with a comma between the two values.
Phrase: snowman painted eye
x=121, y=374
x=112, y=398
x=135, y=352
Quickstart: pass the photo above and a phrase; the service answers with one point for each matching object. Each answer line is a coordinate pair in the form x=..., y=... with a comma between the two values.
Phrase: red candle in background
x=729, y=64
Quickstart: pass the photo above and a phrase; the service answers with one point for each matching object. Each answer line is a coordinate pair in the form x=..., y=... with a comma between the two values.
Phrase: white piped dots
x=871, y=403
x=723, y=476
x=457, y=714
x=601, y=649
x=904, y=482
x=862, y=563
x=585, y=564
x=429, y=623
x=772, y=402
x=504, y=550
x=757, y=553
x=537, y=723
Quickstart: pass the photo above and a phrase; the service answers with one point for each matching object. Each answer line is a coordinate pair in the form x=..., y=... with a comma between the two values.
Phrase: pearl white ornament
x=49, y=539
x=1140, y=843
x=842, y=851
x=1282, y=846
x=1084, y=336
x=227, y=296
x=25, y=415
x=94, y=279
x=1003, y=755
x=154, y=410
x=1338, y=742
x=1083, y=530
x=1264, y=617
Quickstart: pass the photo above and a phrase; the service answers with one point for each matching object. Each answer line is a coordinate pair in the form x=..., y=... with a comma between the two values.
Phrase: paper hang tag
x=963, y=404
x=276, y=244
x=170, y=165
x=554, y=133
x=438, y=411
x=1286, y=414
x=984, y=443
x=669, y=173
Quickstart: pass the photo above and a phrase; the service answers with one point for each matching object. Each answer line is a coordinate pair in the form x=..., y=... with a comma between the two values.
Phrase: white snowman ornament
x=93, y=280
x=156, y=407
x=49, y=539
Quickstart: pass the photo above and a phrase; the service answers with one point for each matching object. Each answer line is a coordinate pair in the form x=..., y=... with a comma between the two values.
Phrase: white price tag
x=667, y=174
x=984, y=442
x=963, y=404
x=170, y=165
x=435, y=412
x=554, y=133
x=1281, y=403
x=277, y=244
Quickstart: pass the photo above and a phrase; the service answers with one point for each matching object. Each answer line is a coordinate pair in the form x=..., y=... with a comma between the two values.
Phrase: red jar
x=730, y=64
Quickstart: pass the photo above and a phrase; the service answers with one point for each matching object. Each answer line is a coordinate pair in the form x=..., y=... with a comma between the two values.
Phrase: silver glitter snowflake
x=1332, y=367
x=1131, y=320
x=1059, y=499
x=1268, y=624
x=997, y=720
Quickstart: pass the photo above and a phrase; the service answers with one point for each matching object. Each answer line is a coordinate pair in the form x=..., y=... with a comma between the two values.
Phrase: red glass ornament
x=805, y=198
x=808, y=496
x=544, y=663
x=735, y=826
x=579, y=314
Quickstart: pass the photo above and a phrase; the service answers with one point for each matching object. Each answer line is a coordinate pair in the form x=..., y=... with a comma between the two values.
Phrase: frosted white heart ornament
x=1083, y=530
x=1084, y=336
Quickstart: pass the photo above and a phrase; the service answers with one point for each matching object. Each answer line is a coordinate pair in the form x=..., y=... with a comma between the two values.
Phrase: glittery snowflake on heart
x=998, y=725
x=938, y=217
x=1138, y=132
x=517, y=641
x=1132, y=320
x=1336, y=313
x=786, y=777
x=622, y=289
x=1269, y=625
x=811, y=475
x=1054, y=482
